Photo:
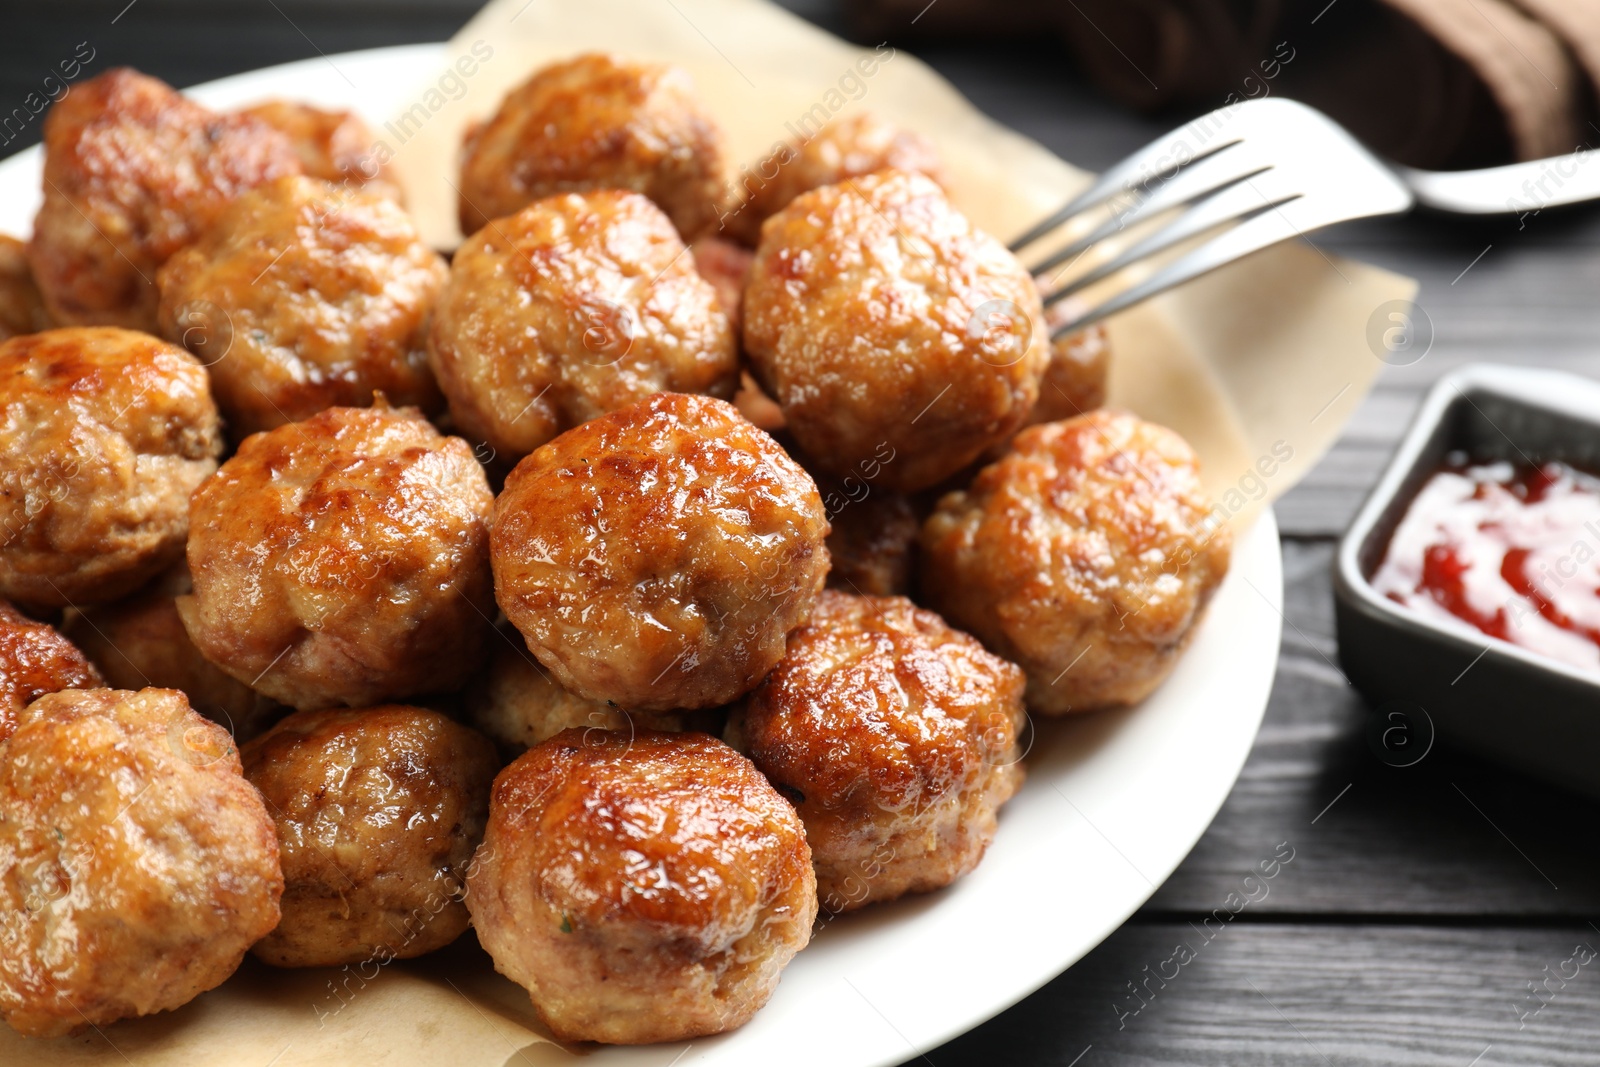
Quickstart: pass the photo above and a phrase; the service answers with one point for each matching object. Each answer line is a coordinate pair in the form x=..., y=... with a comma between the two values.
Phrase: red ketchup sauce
x=1512, y=550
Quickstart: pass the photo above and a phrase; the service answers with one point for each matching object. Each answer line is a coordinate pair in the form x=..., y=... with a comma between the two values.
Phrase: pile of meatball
x=675, y=564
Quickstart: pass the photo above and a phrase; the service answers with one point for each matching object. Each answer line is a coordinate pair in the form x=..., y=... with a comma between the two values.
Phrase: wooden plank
x=1306, y=996
x=1425, y=840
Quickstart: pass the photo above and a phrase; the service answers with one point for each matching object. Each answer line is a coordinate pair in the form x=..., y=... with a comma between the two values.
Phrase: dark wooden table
x=1423, y=904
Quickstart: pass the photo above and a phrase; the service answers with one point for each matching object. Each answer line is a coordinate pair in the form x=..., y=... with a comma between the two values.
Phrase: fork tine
x=1268, y=227
x=1140, y=169
x=1195, y=183
x=1236, y=202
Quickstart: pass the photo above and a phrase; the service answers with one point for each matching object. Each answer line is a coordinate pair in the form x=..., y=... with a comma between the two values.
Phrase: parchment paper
x=1258, y=366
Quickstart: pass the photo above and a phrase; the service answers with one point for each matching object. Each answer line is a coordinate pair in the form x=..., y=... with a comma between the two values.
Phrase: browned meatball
x=139, y=864
x=727, y=267
x=1086, y=555
x=851, y=147
x=304, y=296
x=645, y=887
x=378, y=811
x=21, y=306
x=890, y=331
x=133, y=172
x=343, y=560
x=140, y=641
x=896, y=738
x=1075, y=380
x=519, y=704
x=336, y=146
x=36, y=659
x=104, y=434
x=575, y=306
x=596, y=122
x=873, y=539
x=657, y=557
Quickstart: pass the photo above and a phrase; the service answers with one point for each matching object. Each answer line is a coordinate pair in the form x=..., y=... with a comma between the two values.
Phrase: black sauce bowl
x=1490, y=697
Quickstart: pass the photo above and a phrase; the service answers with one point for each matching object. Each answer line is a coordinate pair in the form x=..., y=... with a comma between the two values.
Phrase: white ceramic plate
x=1111, y=806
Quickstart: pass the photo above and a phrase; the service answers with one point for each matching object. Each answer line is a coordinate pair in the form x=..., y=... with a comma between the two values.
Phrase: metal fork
x=1258, y=173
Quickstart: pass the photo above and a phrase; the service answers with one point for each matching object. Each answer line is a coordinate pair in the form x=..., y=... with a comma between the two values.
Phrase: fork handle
x=1518, y=189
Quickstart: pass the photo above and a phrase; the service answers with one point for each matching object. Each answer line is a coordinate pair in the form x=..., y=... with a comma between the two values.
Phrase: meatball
x=850, y=147
x=304, y=296
x=873, y=539
x=1086, y=554
x=727, y=267
x=21, y=306
x=1075, y=379
x=104, y=435
x=343, y=560
x=597, y=122
x=139, y=864
x=896, y=738
x=36, y=659
x=575, y=306
x=657, y=557
x=642, y=887
x=336, y=146
x=889, y=330
x=378, y=811
x=133, y=172
x=518, y=704
x=140, y=641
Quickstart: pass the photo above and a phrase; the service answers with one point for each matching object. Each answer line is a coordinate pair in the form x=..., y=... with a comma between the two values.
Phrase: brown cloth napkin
x=1432, y=83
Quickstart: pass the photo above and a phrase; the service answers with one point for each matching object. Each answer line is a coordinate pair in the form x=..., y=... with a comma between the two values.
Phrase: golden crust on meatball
x=641, y=888
x=35, y=659
x=378, y=811
x=1086, y=555
x=518, y=704
x=597, y=122
x=21, y=306
x=336, y=146
x=104, y=435
x=657, y=557
x=139, y=641
x=343, y=560
x=575, y=306
x=304, y=296
x=888, y=329
x=849, y=147
x=133, y=172
x=138, y=864
x=896, y=739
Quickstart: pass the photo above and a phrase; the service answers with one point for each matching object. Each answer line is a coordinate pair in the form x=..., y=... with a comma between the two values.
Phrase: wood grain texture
x=1294, y=995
